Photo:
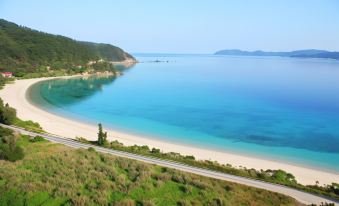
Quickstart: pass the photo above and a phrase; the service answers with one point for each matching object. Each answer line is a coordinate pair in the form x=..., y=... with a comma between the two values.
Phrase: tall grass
x=52, y=174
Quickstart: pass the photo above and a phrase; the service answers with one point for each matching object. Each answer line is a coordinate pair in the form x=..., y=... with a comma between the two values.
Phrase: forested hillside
x=26, y=50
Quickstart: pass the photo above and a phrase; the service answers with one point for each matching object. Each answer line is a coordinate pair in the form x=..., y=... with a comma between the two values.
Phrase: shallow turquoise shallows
x=285, y=109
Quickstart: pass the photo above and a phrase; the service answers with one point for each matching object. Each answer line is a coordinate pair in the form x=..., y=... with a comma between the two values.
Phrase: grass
x=274, y=176
x=53, y=174
x=28, y=125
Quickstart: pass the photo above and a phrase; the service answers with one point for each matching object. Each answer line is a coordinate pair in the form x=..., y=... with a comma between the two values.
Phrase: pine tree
x=101, y=135
x=105, y=137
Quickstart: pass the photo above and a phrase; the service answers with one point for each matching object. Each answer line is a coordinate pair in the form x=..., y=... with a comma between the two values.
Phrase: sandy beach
x=15, y=95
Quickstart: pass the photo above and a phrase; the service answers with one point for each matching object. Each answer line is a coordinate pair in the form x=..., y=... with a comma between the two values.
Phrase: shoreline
x=126, y=63
x=45, y=105
x=15, y=95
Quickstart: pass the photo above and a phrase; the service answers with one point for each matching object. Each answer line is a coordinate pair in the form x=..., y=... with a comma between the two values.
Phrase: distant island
x=309, y=53
x=26, y=51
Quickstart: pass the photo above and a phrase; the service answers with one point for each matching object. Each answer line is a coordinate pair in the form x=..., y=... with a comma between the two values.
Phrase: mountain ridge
x=306, y=53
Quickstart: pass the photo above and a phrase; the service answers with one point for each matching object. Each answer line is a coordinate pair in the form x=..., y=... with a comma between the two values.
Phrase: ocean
x=277, y=108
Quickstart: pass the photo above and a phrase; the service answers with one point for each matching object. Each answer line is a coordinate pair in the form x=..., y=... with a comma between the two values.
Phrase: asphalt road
x=301, y=196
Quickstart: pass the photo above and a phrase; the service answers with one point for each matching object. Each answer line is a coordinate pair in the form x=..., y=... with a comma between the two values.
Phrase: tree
x=7, y=113
x=105, y=137
x=9, y=149
x=155, y=151
x=102, y=136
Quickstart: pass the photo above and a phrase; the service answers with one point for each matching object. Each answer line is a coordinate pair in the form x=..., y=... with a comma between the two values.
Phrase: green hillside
x=53, y=174
x=25, y=49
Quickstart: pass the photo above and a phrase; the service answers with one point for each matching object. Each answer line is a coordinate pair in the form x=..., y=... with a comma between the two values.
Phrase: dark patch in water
x=259, y=138
x=310, y=141
x=319, y=142
x=75, y=89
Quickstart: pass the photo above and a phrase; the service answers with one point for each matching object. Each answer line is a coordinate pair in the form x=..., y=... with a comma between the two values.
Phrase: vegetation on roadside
x=324, y=204
x=28, y=125
x=102, y=136
x=9, y=149
x=8, y=116
x=273, y=176
x=7, y=113
x=37, y=139
x=53, y=174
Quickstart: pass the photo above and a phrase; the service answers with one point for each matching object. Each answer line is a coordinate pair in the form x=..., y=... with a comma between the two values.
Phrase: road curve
x=301, y=196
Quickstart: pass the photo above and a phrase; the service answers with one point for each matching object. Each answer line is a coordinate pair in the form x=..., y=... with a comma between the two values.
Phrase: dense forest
x=24, y=50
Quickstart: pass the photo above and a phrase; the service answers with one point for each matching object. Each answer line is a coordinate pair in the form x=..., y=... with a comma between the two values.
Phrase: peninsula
x=30, y=53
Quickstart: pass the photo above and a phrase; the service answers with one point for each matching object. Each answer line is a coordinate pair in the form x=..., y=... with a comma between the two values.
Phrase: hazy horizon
x=185, y=27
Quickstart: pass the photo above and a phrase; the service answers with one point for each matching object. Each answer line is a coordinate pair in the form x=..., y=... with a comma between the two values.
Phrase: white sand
x=15, y=95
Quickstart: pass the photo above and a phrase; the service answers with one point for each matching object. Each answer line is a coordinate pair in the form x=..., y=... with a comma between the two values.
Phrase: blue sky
x=185, y=26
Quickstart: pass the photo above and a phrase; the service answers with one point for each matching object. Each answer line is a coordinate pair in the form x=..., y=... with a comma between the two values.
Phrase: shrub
x=190, y=157
x=83, y=140
x=37, y=139
x=148, y=203
x=9, y=150
x=125, y=202
x=184, y=203
x=178, y=178
x=4, y=132
x=7, y=114
x=91, y=149
x=155, y=151
x=28, y=125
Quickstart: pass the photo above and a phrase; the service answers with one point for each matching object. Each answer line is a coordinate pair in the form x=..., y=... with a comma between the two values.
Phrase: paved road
x=303, y=197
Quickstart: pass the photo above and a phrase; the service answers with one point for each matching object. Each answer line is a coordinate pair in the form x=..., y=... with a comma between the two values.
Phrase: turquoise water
x=285, y=109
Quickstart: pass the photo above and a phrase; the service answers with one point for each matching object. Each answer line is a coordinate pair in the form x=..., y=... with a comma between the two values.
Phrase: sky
x=185, y=26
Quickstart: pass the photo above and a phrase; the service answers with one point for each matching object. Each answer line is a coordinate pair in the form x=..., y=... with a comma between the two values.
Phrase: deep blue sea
x=284, y=109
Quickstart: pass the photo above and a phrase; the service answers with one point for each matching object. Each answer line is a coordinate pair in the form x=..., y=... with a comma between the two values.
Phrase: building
x=7, y=74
